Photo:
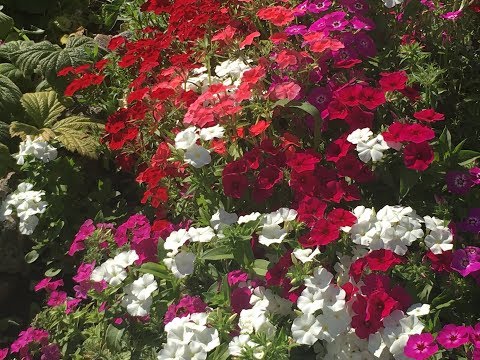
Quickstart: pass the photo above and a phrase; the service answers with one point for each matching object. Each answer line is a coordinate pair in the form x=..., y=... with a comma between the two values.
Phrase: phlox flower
x=420, y=346
x=439, y=240
x=453, y=336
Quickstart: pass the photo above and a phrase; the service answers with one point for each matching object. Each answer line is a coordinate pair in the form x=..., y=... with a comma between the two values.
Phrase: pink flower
x=83, y=272
x=475, y=336
x=57, y=298
x=186, y=306
x=3, y=353
x=421, y=346
x=71, y=305
x=84, y=232
x=452, y=336
x=236, y=276
x=240, y=299
x=48, y=284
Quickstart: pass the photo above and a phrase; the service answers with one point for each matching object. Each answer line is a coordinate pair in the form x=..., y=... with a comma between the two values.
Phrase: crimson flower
x=393, y=81
x=418, y=156
x=428, y=115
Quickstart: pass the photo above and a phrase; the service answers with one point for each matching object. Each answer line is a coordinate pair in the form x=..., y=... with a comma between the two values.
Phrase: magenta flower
x=475, y=174
x=186, y=306
x=51, y=352
x=83, y=233
x=334, y=21
x=475, y=335
x=453, y=336
x=320, y=97
x=472, y=222
x=3, y=353
x=236, y=276
x=295, y=30
x=240, y=299
x=452, y=15
x=458, y=182
x=83, y=272
x=421, y=346
x=466, y=261
x=318, y=6
x=355, y=6
x=57, y=298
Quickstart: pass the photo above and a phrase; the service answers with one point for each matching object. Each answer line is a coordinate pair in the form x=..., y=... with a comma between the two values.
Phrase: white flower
x=126, y=258
x=310, y=300
x=432, y=222
x=28, y=225
x=222, y=218
x=135, y=306
x=305, y=329
x=186, y=138
x=212, y=132
x=392, y=3
x=372, y=149
x=197, y=156
x=360, y=135
x=306, y=255
x=251, y=320
x=238, y=344
x=332, y=324
x=176, y=239
x=419, y=310
x=333, y=298
x=320, y=280
x=202, y=234
x=287, y=214
x=439, y=240
x=271, y=234
x=109, y=271
x=248, y=218
x=144, y=286
x=38, y=147
x=181, y=264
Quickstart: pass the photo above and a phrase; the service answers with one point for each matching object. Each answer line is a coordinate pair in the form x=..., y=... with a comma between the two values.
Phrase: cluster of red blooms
x=85, y=76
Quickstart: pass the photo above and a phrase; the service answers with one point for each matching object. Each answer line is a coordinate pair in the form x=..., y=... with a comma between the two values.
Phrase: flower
x=144, y=286
x=459, y=182
x=197, y=156
x=394, y=80
x=465, y=261
x=392, y=3
x=360, y=135
x=182, y=264
x=439, y=240
x=418, y=156
x=428, y=115
x=453, y=336
x=472, y=222
x=306, y=329
x=372, y=150
x=420, y=346
x=212, y=132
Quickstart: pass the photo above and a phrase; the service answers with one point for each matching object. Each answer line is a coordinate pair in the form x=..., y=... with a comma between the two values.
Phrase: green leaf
x=10, y=95
x=156, y=269
x=28, y=59
x=218, y=253
x=9, y=48
x=408, y=178
x=52, y=272
x=220, y=353
x=113, y=338
x=6, y=161
x=466, y=157
x=22, y=130
x=43, y=108
x=31, y=257
x=6, y=24
x=260, y=266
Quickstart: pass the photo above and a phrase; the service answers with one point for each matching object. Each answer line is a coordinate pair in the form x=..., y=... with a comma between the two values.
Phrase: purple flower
x=420, y=346
x=458, y=182
x=320, y=97
x=83, y=233
x=475, y=335
x=363, y=43
x=236, y=276
x=3, y=353
x=472, y=222
x=240, y=299
x=318, y=6
x=83, y=272
x=452, y=336
x=475, y=174
x=51, y=352
x=359, y=22
x=355, y=6
x=295, y=30
x=334, y=21
x=466, y=261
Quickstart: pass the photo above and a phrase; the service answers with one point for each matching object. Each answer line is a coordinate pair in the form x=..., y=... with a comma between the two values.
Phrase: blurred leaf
x=6, y=24
x=218, y=253
x=10, y=95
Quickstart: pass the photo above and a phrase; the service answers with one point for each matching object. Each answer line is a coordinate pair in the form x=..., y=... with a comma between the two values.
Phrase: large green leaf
x=8, y=49
x=78, y=134
x=10, y=95
x=43, y=108
x=22, y=130
x=6, y=24
x=28, y=59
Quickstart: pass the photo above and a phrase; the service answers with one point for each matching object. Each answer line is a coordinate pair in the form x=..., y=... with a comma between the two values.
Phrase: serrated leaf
x=218, y=253
x=28, y=59
x=9, y=48
x=4, y=131
x=22, y=130
x=10, y=95
x=6, y=160
x=11, y=71
x=6, y=24
x=43, y=108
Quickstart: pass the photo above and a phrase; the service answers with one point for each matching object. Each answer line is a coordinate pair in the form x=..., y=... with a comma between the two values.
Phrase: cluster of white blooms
x=113, y=271
x=196, y=155
x=138, y=295
x=228, y=73
x=325, y=323
x=189, y=337
x=256, y=320
x=272, y=232
x=27, y=204
x=320, y=295
x=38, y=148
x=398, y=326
x=369, y=147
x=396, y=227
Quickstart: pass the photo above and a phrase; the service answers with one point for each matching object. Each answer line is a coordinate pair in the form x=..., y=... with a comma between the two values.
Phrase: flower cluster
x=38, y=148
x=27, y=204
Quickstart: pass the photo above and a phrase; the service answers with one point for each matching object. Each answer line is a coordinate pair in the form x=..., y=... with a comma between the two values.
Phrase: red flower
x=310, y=209
x=349, y=166
x=234, y=185
x=338, y=149
x=363, y=327
x=259, y=127
x=324, y=232
x=359, y=119
x=249, y=39
x=336, y=110
x=417, y=133
x=395, y=133
x=287, y=90
x=418, y=156
x=350, y=95
x=341, y=217
x=428, y=115
x=372, y=98
x=379, y=305
x=303, y=183
x=382, y=260
x=440, y=262
x=393, y=81
x=268, y=177
x=277, y=15
x=300, y=162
